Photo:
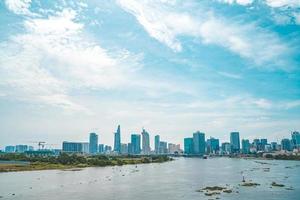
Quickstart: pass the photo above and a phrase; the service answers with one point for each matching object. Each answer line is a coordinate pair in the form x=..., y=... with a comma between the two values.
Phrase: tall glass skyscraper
x=136, y=144
x=93, y=145
x=245, y=146
x=286, y=144
x=156, y=140
x=117, y=142
x=199, y=143
x=188, y=145
x=145, y=142
x=213, y=145
x=296, y=140
x=235, y=142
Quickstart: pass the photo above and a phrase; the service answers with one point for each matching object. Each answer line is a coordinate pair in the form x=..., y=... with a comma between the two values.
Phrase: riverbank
x=76, y=162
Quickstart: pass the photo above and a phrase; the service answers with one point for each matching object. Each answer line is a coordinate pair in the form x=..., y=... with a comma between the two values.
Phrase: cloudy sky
x=71, y=67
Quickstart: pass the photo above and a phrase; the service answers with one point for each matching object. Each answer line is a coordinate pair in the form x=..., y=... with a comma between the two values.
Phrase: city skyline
x=68, y=68
x=153, y=141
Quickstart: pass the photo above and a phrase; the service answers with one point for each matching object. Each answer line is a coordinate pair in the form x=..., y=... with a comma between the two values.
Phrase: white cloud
x=248, y=41
x=19, y=6
x=241, y=2
x=154, y=22
x=283, y=3
x=271, y=3
x=53, y=58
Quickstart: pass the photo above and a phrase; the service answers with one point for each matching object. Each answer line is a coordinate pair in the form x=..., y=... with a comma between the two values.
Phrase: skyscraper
x=136, y=143
x=145, y=142
x=93, y=145
x=256, y=144
x=235, y=142
x=245, y=146
x=188, y=145
x=199, y=143
x=296, y=140
x=286, y=144
x=157, y=140
x=117, y=143
x=263, y=143
x=226, y=148
x=213, y=145
x=163, y=147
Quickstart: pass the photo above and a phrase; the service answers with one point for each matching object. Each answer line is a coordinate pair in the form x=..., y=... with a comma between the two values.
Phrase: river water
x=174, y=180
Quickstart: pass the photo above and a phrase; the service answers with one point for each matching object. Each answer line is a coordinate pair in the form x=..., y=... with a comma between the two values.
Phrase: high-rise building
x=256, y=144
x=156, y=145
x=188, y=145
x=199, y=143
x=263, y=143
x=93, y=146
x=10, y=149
x=72, y=147
x=107, y=149
x=136, y=143
x=235, y=142
x=163, y=147
x=21, y=148
x=124, y=149
x=101, y=148
x=145, y=142
x=245, y=146
x=286, y=144
x=213, y=145
x=226, y=148
x=296, y=140
x=117, y=142
x=274, y=146
x=173, y=148
x=85, y=147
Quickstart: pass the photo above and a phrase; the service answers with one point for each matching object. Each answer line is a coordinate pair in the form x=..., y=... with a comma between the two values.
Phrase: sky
x=71, y=67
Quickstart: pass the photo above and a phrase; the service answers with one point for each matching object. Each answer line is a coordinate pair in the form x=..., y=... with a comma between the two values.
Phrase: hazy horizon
x=68, y=68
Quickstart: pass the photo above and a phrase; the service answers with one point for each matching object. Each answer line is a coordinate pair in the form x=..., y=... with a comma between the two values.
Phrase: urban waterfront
x=179, y=179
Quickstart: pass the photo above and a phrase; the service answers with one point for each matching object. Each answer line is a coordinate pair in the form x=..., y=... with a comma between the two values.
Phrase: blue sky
x=71, y=67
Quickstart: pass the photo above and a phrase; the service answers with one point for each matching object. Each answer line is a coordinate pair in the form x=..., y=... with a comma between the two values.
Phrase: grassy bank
x=67, y=161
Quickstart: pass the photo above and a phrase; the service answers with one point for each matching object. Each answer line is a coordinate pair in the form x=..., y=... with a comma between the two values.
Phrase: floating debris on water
x=289, y=188
x=249, y=184
x=227, y=191
x=277, y=184
x=214, y=190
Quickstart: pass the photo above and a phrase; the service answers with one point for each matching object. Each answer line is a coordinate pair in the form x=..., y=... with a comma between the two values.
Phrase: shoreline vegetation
x=13, y=162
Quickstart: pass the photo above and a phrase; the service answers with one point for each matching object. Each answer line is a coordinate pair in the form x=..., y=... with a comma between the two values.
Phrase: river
x=174, y=180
